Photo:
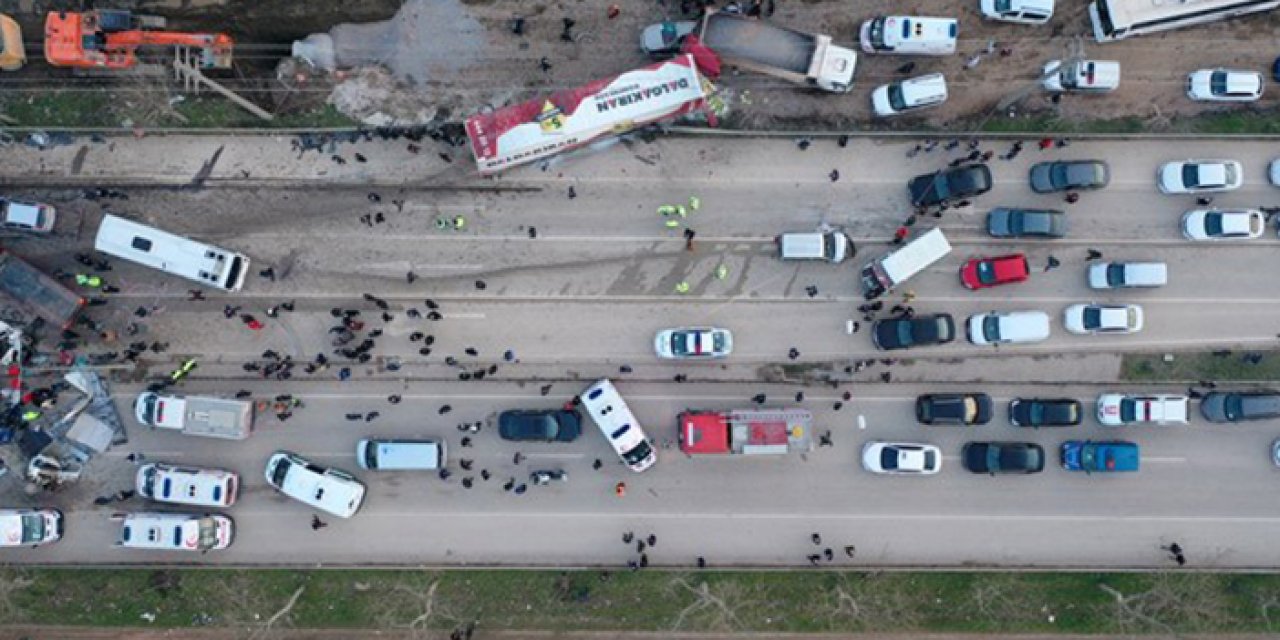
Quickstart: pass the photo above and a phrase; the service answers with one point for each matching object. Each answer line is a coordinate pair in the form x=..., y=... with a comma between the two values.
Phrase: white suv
x=1021, y=11
x=331, y=490
x=911, y=94
x=1224, y=85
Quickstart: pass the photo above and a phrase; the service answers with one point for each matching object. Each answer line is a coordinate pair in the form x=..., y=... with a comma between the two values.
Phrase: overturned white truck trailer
x=565, y=120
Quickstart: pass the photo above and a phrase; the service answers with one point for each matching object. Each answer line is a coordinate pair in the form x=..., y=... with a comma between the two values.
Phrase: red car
x=981, y=273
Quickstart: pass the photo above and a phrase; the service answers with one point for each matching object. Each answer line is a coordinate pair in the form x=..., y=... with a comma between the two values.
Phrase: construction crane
x=109, y=40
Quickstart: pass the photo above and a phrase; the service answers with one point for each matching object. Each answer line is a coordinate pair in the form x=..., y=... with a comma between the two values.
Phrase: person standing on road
x=688, y=238
x=317, y=524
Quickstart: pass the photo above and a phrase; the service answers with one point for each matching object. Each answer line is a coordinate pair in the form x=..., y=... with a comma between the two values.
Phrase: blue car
x=1089, y=456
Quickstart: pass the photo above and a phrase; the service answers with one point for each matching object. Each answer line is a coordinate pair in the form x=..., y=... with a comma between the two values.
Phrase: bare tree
x=717, y=605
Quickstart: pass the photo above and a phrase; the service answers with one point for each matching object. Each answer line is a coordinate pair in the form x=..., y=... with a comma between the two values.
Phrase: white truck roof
x=196, y=415
x=916, y=256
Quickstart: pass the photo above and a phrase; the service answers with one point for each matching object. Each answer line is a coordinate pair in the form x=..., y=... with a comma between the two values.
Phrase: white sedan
x=1102, y=318
x=1213, y=224
x=1200, y=176
x=693, y=343
x=1224, y=85
x=901, y=458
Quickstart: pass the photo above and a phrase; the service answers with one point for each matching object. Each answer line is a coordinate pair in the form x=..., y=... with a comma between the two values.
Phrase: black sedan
x=951, y=184
x=904, y=333
x=1045, y=412
x=1069, y=175
x=540, y=425
x=1235, y=406
x=954, y=408
x=1002, y=457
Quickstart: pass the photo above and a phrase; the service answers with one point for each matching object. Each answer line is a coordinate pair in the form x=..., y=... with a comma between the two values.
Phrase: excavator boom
x=110, y=39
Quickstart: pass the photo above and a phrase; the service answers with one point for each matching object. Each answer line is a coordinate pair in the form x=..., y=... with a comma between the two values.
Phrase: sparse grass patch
x=651, y=600
x=1200, y=365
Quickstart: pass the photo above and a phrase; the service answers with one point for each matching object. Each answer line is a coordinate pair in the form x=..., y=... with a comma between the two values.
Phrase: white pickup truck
x=1117, y=409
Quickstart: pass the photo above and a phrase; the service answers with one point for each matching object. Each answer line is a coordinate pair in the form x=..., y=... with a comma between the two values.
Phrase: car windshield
x=546, y=427
x=986, y=272
x=281, y=472
x=1190, y=175
x=1218, y=82
x=32, y=528
x=1060, y=175
x=668, y=32
x=1115, y=274
x=906, y=337
x=896, y=100
x=685, y=343
x=1213, y=224
x=877, y=32
x=928, y=459
x=1003, y=6
x=638, y=453
x=1092, y=317
x=149, y=482
x=208, y=533
x=1128, y=410
x=991, y=328
x=1232, y=406
x=889, y=458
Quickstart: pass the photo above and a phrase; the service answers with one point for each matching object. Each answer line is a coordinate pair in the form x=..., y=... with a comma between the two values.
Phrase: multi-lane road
x=584, y=297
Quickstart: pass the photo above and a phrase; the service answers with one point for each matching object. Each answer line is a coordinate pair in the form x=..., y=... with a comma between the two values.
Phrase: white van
x=187, y=485
x=906, y=35
x=331, y=490
x=1020, y=11
x=195, y=415
x=830, y=246
x=175, y=531
x=1116, y=275
x=883, y=274
x=912, y=94
x=1081, y=76
x=393, y=454
x=173, y=254
x=611, y=414
x=1009, y=327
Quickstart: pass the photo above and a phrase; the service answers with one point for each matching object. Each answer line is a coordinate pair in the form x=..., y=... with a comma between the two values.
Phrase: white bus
x=162, y=250
x=611, y=414
x=1117, y=19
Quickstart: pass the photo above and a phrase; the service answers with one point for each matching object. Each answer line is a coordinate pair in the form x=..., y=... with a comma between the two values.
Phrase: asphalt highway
x=584, y=298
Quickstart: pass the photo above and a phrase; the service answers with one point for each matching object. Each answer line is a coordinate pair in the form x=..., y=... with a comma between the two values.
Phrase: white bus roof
x=1114, y=19
x=916, y=256
x=158, y=249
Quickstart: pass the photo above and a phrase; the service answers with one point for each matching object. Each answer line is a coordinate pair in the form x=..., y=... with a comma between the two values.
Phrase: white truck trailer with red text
x=565, y=120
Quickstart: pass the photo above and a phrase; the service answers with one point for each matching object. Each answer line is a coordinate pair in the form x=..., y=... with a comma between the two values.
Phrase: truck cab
x=12, y=53
x=1081, y=76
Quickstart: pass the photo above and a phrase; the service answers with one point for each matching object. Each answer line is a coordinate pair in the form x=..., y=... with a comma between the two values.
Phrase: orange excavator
x=110, y=39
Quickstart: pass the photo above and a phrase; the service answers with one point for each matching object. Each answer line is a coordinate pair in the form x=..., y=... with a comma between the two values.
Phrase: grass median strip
x=1190, y=367
x=649, y=600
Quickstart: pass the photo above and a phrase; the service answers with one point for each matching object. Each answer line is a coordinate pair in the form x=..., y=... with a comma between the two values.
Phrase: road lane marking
x=823, y=515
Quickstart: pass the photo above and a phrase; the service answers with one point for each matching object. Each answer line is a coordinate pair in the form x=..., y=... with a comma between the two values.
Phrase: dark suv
x=1234, y=406
x=1064, y=175
x=904, y=333
x=950, y=184
x=540, y=425
x=1045, y=412
x=954, y=408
